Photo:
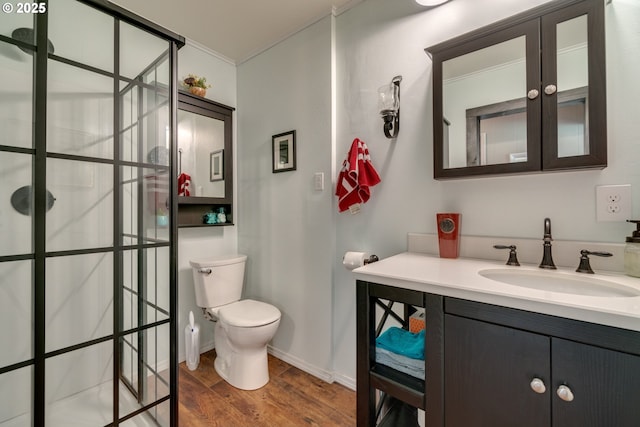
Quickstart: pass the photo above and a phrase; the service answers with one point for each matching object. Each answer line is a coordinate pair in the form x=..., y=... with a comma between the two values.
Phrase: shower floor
x=89, y=408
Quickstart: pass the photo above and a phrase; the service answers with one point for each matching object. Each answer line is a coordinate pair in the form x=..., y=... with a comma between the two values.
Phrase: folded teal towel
x=401, y=341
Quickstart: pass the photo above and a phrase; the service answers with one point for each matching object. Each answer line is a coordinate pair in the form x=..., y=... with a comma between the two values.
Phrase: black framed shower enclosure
x=88, y=219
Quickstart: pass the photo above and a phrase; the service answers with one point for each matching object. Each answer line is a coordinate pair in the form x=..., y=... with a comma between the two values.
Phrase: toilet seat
x=248, y=314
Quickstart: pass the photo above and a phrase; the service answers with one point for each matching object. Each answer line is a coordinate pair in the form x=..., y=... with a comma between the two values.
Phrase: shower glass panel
x=83, y=215
x=16, y=87
x=16, y=296
x=144, y=197
x=138, y=49
x=130, y=188
x=145, y=207
x=155, y=189
x=128, y=123
x=129, y=367
x=160, y=414
x=157, y=342
x=161, y=74
x=17, y=226
x=79, y=299
x=144, y=367
x=155, y=147
x=79, y=384
x=157, y=284
x=9, y=22
x=82, y=34
x=80, y=113
x=150, y=295
x=87, y=263
x=15, y=395
x=129, y=289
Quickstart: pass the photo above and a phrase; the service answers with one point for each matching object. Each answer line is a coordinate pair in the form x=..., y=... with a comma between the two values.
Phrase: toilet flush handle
x=206, y=271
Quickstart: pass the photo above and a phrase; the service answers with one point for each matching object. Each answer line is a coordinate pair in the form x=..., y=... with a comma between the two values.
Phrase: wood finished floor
x=292, y=398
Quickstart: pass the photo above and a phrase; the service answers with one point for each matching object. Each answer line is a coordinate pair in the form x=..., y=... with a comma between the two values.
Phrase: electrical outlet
x=613, y=202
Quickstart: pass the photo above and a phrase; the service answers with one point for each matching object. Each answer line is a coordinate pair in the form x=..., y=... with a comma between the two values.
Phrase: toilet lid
x=248, y=314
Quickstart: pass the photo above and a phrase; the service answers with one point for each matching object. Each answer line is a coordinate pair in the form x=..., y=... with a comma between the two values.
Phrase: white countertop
x=460, y=278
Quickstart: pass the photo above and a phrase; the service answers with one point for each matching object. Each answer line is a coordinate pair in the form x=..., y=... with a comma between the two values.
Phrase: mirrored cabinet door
x=573, y=83
x=488, y=125
x=201, y=153
x=526, y=94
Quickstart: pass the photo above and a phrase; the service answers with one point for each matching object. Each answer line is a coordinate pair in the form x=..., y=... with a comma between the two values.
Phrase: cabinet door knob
x=537, y=385
x=550, y=89
x=532, y=94
x=565, y=393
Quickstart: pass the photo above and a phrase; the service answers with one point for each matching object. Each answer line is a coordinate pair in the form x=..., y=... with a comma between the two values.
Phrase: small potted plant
x=196, y=85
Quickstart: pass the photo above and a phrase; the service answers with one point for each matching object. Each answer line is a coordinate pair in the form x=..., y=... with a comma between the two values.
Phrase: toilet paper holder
x=372, y=258
x=353, y=260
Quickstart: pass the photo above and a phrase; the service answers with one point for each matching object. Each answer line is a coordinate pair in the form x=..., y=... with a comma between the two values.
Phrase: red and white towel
x=184, y=185
x=356, y=177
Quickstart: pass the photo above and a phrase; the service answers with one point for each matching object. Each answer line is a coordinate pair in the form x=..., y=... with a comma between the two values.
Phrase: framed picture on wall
x=284, y=151
x=216, y=170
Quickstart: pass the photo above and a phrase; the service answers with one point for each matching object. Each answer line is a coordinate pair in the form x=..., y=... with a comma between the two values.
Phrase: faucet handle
x=584, y=266
x=513, y=256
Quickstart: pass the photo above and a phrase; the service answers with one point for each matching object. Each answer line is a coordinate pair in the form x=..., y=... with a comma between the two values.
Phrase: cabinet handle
x=550, y=89
x=532, y=94
x=537, y=385
x=565, y=393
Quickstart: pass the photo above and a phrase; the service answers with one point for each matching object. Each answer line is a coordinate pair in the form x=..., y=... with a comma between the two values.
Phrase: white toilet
x=243, y=327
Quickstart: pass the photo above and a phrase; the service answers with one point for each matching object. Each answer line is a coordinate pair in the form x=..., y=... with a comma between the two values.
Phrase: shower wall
x=85, y=288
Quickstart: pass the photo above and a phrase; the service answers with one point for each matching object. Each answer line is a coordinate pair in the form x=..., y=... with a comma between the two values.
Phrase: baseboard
x=302, y=365
x=324, y=375
x=207, y=347
x=344, y=380
x=203, y=349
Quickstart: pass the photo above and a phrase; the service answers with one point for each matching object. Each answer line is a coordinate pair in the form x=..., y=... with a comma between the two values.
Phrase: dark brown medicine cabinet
x=205, y=142
x=525, y=94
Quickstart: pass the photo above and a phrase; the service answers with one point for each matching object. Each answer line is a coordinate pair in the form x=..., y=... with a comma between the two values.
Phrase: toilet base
x=242, y=353
x=246, y=372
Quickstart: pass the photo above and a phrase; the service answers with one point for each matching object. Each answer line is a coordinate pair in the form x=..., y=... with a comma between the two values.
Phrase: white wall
x=379, y=39
x=294, y=236
x=285, y=227
x=201, y=242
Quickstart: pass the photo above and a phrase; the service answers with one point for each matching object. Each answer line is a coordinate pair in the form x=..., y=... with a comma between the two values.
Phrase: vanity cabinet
x=494, y=366
x=526, y=94
x=506, y=367
x=385, y=396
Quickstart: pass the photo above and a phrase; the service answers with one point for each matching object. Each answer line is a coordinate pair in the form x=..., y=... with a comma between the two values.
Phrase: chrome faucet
x=547, y=259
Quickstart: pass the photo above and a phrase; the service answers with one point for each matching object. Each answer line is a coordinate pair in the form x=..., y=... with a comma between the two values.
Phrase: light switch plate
x=318, y=181
x=613, y=202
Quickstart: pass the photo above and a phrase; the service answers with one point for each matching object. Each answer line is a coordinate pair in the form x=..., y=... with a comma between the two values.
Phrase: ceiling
x=235, y=29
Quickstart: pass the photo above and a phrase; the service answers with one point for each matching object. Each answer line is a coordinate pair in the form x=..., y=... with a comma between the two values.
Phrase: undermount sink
x=555, y=281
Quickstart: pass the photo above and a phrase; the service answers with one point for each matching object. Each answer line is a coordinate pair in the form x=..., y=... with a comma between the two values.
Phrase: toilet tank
x=218, y=281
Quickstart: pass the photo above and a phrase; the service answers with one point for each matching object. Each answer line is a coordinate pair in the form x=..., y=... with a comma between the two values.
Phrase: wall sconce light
x=389, y=105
